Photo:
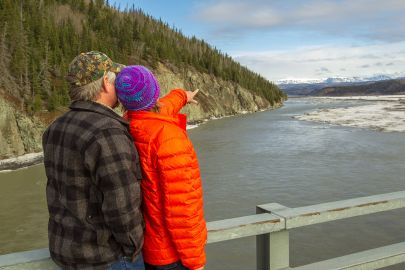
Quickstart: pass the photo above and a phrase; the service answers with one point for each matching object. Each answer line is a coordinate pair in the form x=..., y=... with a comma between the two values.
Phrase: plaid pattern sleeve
x=112, y=161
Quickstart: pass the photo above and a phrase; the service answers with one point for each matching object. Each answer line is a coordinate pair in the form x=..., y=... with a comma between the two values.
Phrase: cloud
x=325, y=61
x=370, y=56
x=369, y=19
x=322, y=70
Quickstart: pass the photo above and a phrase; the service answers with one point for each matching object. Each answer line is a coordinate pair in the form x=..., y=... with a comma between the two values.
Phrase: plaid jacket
x=93, y=190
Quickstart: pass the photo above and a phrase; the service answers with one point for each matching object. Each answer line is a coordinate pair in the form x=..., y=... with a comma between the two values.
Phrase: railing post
x=272, y=249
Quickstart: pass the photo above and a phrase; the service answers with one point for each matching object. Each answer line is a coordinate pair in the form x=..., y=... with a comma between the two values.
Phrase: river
x=255, y=159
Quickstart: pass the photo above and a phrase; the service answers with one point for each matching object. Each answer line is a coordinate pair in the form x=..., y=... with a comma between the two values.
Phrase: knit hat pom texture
x=137, y=88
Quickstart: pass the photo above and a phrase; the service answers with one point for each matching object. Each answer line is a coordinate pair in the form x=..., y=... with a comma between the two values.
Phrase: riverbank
x=31, y=159
x=21, y=161
x=380, y=113
x=36, y=158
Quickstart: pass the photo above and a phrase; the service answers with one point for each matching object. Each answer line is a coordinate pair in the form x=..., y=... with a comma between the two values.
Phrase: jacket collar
x=92, y=106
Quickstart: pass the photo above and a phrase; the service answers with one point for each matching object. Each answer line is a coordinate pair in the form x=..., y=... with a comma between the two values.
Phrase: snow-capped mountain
x=310, y=86
x=332, y=80
x=299, y=81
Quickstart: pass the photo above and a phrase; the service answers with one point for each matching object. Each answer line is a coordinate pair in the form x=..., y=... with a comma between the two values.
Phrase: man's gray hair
x=91, y=91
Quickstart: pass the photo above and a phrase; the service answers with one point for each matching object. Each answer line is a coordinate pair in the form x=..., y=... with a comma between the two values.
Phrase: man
x=93, y=191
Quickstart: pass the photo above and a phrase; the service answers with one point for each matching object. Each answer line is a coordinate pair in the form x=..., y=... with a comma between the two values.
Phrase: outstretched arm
x=173, y=102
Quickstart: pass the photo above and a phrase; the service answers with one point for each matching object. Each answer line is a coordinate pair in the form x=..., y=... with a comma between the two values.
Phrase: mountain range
x=315, y=86
x=341, y=79
x=385, y=87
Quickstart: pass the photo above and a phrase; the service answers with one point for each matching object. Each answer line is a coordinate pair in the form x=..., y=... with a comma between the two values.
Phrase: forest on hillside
x=385, y=87
x=39, y=38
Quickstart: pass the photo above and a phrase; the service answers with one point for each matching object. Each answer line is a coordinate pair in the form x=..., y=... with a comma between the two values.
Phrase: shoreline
x=197, y=123
x=20, y=162
x=30, y=159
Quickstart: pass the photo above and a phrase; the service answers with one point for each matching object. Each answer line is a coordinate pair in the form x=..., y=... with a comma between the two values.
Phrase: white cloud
x=372, y=19
x=326, y=61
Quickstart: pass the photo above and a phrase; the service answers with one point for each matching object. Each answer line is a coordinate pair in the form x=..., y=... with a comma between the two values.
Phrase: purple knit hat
x=137, y=89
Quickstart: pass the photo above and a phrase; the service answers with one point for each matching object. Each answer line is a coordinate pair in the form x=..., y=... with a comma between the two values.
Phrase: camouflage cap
x=89, y=67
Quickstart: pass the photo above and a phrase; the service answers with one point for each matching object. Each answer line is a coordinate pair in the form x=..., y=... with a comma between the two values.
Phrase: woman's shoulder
x=169, y=130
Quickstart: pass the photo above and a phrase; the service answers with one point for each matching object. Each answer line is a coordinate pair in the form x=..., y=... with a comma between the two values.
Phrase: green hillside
x=38, y=39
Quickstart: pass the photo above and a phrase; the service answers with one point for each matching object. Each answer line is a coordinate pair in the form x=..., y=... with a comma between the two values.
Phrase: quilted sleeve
x=173, y=102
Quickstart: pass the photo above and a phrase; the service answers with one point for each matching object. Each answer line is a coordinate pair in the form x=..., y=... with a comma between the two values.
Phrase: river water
x=255, y=159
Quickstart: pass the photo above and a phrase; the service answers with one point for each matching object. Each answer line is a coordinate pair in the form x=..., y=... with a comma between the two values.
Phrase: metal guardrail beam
x=24, y=257
x=271, y=228
x=28, y=260
x=46, y=264
x=234, y=228
x=365, y=260
x=218, y=231
x=325, y=212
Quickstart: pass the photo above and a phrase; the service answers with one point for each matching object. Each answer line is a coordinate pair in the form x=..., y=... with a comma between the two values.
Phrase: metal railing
x=271, y=226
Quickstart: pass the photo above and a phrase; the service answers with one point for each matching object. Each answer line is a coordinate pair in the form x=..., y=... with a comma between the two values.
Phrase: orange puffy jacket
x=175, y=228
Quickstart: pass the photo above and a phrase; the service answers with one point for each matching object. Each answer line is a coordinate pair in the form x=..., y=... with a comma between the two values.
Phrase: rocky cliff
x=216, y=98
x=21, y=134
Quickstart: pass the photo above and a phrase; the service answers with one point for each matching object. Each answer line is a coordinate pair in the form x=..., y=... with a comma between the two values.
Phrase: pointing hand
x=191, y=95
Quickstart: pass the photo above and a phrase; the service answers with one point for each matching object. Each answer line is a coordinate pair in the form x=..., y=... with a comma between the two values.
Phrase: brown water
x=23, y=212
x=255, y=159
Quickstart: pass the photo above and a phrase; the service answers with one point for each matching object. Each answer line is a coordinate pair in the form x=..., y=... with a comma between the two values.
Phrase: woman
x=175, y=229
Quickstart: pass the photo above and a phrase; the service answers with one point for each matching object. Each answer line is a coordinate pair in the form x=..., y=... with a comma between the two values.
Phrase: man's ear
x=106, y=83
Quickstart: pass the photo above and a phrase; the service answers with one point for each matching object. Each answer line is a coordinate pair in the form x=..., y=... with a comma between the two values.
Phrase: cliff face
x=20, y=134
x=216, y=98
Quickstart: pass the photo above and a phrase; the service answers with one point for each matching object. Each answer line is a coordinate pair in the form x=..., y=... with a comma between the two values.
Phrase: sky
x=294, y=39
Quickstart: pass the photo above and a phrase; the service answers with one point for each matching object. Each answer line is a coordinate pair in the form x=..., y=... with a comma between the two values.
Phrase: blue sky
x=295, y=39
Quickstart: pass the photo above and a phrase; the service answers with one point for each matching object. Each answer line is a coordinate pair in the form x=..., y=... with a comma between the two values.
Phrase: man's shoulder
x=85, y=125
x=87, y=120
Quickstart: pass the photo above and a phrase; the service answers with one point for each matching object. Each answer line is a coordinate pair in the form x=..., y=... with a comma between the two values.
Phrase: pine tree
x=45, y=75
x=7, y=81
